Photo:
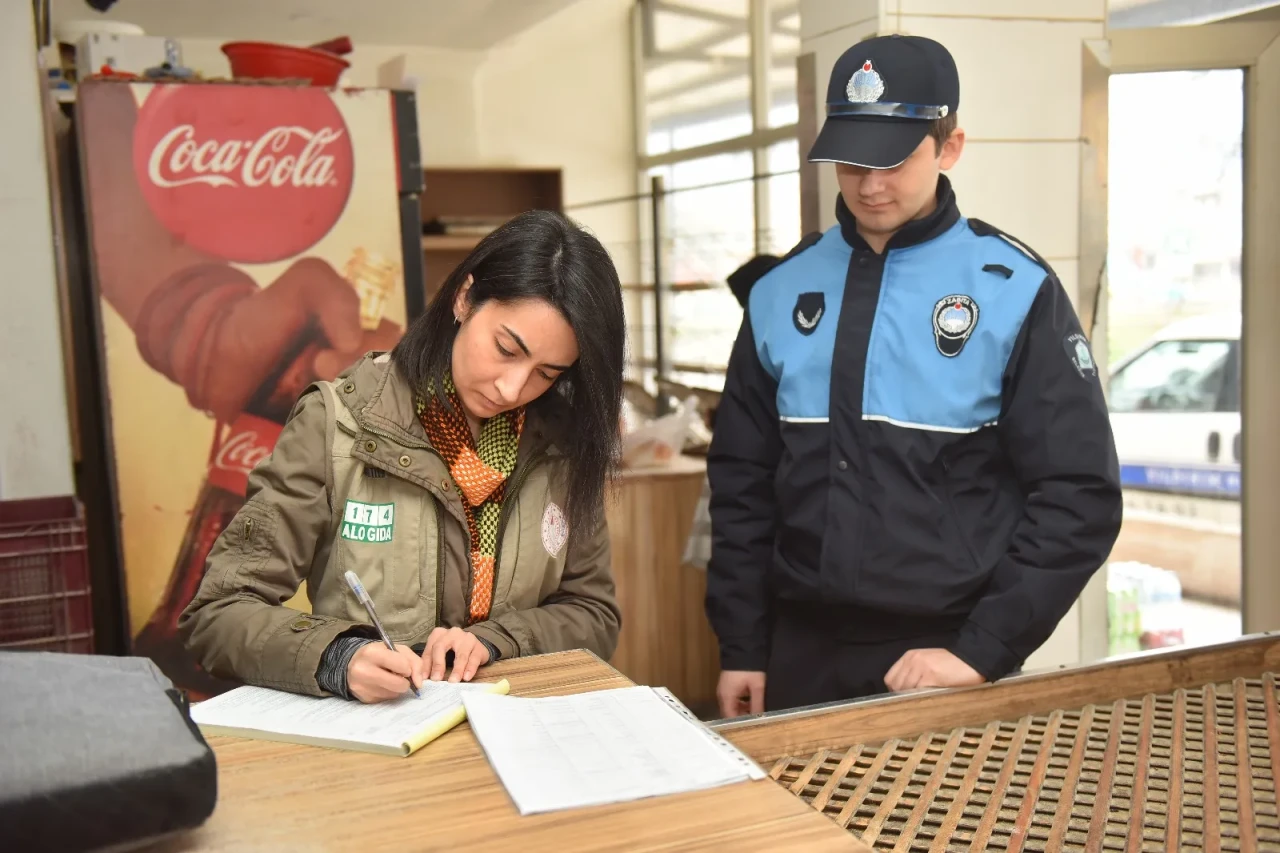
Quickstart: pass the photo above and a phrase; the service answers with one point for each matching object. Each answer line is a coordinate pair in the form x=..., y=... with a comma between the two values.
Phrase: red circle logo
x=251, y=174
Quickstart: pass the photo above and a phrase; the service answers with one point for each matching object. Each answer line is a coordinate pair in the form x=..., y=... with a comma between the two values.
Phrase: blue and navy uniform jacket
x=917, y=436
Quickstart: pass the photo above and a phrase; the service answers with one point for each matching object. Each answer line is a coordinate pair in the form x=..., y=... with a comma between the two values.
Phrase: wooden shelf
x=485, y=194
x=450, y=242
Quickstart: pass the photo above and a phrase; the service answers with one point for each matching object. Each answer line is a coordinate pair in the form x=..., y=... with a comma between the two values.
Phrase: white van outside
x=1175, y=409
x=1175, y=412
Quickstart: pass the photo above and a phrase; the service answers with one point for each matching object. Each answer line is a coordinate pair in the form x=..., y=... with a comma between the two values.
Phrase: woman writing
x=460, y=477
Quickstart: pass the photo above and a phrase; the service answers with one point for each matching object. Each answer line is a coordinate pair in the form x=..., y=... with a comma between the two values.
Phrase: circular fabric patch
x=555, y=529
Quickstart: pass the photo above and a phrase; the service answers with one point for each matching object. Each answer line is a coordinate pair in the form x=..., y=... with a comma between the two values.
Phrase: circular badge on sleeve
x=555, y=529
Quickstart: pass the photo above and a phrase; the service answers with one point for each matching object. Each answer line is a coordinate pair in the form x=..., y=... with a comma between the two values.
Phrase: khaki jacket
x=353, y=484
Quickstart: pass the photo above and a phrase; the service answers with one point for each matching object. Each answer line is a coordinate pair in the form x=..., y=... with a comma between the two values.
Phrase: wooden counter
x=1174, y=750
x=666, y=640
x=284, y=798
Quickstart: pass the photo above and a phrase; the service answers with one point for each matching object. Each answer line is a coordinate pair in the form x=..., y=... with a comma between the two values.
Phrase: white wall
x=560, y=94
x=35, y=444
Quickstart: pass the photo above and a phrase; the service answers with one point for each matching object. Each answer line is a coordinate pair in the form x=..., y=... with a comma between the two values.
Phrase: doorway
x=1175, y=243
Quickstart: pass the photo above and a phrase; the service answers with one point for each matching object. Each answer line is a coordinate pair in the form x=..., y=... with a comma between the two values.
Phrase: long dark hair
x=544, y=255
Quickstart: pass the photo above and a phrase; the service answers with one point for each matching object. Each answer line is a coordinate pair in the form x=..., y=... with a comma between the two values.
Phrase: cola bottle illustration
x=236, y=449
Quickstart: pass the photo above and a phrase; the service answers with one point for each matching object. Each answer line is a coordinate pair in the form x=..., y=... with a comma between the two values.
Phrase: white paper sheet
x=331, y=718
x=609, y=746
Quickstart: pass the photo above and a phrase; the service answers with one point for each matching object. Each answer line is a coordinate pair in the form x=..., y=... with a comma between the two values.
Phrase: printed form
x=609, y=746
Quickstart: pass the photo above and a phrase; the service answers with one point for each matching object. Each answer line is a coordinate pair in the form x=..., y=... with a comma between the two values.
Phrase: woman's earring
x=456, y=321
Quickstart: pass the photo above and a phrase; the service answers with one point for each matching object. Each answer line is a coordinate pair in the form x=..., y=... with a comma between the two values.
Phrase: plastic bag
x=658, y=442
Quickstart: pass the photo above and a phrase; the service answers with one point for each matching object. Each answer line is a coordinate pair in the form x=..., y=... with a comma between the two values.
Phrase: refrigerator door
x=244, y=240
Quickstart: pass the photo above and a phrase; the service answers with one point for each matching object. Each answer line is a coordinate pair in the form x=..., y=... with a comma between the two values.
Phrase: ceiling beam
x=717, y=76
x=701, y=14
x=1166, y=13
x=696, y=49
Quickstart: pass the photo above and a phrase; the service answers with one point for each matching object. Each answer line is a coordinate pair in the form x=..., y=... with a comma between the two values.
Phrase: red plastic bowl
x=266, y=61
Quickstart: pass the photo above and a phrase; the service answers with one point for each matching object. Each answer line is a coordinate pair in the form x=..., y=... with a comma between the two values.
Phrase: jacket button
x=371, y=446
x=862, y=262
x=842, y=465
x=349, y=387
x=404, y=461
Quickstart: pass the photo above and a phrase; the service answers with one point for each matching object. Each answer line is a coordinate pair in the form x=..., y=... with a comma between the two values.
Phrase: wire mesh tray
x=1186, y=770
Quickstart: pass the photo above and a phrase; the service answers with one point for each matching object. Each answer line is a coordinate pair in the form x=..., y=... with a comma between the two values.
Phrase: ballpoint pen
x=359, y=590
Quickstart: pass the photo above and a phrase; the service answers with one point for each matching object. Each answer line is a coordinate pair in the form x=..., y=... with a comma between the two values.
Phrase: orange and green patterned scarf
x=480, y=470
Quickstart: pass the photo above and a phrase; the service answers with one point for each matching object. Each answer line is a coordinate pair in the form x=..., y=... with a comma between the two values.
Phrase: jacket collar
x=380, y=398
x=914, y=232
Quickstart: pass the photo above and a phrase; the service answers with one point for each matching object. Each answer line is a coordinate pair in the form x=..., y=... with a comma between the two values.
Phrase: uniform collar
x=916, y=231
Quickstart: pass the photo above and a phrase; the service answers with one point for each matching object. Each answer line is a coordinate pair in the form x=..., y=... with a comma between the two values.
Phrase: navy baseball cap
x=884, y=94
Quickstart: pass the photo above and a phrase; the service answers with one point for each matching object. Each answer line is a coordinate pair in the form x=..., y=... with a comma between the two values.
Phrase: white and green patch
x=368, y=522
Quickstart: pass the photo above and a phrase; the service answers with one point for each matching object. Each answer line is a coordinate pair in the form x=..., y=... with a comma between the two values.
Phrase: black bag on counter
x=96, y=752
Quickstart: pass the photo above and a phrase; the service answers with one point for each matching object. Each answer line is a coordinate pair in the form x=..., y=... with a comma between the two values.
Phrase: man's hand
x=377, y=674
x=920, y=668
x=469, y=654
x=740, y=692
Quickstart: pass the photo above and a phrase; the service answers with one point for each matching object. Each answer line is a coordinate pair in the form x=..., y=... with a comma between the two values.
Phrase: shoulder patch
x=808, y=311
x=1077, y=347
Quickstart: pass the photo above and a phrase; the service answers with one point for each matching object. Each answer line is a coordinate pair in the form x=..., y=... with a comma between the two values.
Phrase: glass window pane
x=709, y=226
x=784, y=47
x=782, y=227
x=697, y=74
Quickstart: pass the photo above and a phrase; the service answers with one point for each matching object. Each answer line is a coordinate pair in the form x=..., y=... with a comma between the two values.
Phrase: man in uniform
x=913, y=473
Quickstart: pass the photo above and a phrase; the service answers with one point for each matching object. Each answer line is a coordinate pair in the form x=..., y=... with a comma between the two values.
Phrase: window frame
x=763, y=17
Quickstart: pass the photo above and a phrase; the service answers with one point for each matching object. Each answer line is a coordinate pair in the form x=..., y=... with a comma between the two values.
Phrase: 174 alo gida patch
x=363, y=522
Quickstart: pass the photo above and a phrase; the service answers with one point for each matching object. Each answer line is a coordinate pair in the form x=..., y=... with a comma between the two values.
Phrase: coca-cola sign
x=249, y=440
x=252, y=174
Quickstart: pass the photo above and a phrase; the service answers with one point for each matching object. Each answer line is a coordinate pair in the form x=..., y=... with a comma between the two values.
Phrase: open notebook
x=400, y=727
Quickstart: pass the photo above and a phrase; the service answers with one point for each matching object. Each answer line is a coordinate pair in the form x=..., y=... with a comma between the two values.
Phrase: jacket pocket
x=386, y=535
x=965, y=541
x=534, y=547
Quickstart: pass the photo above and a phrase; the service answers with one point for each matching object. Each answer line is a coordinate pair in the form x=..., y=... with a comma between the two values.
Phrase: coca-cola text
x=249, y=440
x=179, y=159
x=248, y=174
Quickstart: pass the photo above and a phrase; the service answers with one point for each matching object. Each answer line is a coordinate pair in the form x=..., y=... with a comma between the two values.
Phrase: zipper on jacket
x=507, y=501
x=955, y=517
x=414, y=444
x=439, y=561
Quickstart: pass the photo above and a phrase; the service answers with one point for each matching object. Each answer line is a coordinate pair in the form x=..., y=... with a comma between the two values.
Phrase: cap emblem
x=865, y=86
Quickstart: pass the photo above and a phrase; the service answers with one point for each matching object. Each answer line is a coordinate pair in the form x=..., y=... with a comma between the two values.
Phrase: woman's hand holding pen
x=469, y=654
x=377, y=674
